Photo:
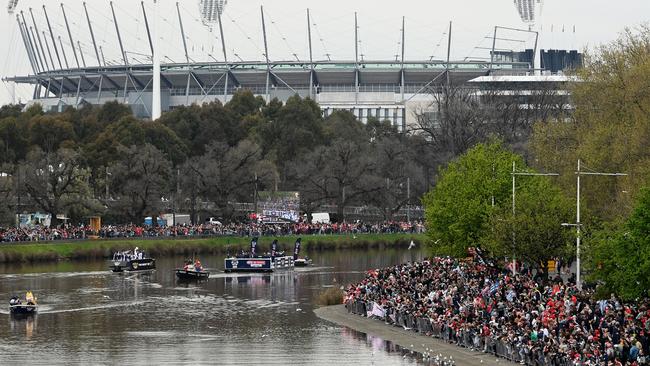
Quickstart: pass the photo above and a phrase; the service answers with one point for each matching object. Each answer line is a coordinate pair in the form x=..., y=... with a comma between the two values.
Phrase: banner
x=278, y=206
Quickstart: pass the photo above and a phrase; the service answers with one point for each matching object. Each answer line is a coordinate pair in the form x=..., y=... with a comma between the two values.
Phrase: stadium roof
x=287, y=74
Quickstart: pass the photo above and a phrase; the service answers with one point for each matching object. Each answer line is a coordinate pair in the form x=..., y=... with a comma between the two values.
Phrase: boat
x=299, y=262
x=192, y=271
x=28, y=307
x=302, y=262
x=252, y=262
x=130, y=261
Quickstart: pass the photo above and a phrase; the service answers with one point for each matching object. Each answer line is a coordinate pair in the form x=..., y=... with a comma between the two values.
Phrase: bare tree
x=55, y=181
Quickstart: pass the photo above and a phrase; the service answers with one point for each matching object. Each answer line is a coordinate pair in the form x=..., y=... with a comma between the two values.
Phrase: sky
x=563, y=24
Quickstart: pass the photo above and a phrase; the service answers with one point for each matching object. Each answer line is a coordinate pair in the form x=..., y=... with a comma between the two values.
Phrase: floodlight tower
x=12, y=6
x=211, y=10
x=529, y=11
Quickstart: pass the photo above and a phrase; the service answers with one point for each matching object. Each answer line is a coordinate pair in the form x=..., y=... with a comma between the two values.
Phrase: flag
x=296, y=249
x=274, y=247
x=253, y=246
x=378, y=311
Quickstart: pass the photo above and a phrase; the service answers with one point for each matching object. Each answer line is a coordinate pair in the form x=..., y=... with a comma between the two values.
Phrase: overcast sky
x=594, y=21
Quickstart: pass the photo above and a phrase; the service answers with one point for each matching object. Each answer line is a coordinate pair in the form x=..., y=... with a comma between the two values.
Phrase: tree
x=227, y=174
x=458, y=208
x=534, y=234
x=13, y=144
x=621, y=258
x=140, y=179
x=395, y=174
x=297, y=131
x=55, y=181
x=610, y=128
x=339, y=173
x=51, y=132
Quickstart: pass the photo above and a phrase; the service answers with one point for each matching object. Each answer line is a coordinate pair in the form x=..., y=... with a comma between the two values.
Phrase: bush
x=331, y=296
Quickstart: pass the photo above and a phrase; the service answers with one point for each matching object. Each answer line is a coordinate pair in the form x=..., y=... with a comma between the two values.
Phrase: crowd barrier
x=467, y=338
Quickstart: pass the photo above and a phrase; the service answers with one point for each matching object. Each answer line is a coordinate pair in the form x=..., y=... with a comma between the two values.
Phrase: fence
x=467, y=338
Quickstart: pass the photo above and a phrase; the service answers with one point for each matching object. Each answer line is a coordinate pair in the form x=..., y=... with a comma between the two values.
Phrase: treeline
x=102, y=160
x=609, y=132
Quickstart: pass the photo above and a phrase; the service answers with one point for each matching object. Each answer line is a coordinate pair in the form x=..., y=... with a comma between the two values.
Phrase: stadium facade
x=396, y=90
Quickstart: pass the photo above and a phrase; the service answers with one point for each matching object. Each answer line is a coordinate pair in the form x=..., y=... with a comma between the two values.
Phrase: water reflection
x=89, y=315
x=23, y=324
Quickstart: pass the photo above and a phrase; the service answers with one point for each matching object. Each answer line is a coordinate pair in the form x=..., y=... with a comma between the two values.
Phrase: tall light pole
x=578, y=224
x=515, y=173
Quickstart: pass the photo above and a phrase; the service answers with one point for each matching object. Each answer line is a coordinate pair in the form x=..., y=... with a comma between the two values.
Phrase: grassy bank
x=102, y=249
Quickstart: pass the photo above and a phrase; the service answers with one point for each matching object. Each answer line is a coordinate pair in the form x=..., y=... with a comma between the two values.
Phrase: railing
x=468, y=338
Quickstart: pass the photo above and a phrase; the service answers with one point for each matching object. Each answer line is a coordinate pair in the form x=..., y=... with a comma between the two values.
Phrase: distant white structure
x=529, y=10
x=211, y=9
x=12, y=6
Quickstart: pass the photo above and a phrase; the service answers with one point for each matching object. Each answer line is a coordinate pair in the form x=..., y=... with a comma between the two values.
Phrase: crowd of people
x=80, y=232
x=477, y=305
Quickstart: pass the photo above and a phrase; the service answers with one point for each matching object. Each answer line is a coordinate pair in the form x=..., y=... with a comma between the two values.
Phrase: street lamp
x=515, y=173
x=578, y=224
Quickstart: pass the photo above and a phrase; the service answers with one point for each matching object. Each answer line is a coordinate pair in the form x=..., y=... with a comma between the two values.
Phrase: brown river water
x=88, y=315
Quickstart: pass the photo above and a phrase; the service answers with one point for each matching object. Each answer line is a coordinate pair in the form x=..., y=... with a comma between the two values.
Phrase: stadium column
x=92, y=35
x=225, y=58
x=356, y=60
x=47, y=47
x=156, y=108
x=56, y=50
x=402, y=86
x=37, y=60
x=38, y=38
x=65, y=57
x=27, y=49
x=311, y=59
x=448, y=53
x=187, y=56
x=74, y=52
x=266, y=55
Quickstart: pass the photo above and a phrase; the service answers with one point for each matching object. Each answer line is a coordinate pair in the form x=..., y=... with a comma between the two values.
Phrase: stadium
x=66, y=72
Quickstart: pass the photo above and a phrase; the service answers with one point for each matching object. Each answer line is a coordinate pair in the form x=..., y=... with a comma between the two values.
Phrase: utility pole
x=515, y=173
x=578, y=224
x=408, y=199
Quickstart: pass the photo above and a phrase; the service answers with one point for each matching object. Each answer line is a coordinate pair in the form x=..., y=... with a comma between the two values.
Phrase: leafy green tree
x=297, y=131
x=621, y=258
x=13, y=144
x=244, y=103
x=345, y=125
x=534, y=234
x=610, y=128
x=50, y=132
x=458, y=208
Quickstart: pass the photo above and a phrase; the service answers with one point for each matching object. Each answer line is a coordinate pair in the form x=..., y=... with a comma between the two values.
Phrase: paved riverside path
x=407, y=339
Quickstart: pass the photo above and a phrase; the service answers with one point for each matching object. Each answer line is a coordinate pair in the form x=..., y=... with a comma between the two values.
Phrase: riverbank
x=407, y=339
x=160, y=247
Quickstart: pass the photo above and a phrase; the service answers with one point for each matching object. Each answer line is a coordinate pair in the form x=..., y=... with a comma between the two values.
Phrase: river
x=88, y=315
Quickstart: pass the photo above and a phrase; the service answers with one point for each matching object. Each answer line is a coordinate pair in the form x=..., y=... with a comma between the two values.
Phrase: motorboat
x=302, y=262
x=130, y=261
x=192, y=271
x=26, y=307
